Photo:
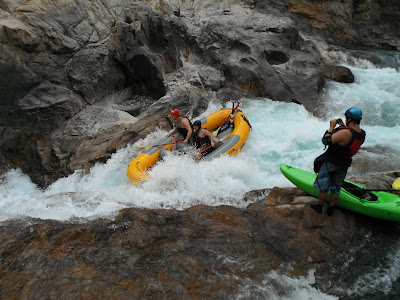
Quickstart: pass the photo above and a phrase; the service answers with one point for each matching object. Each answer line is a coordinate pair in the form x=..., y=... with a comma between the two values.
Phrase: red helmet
x=175, y=112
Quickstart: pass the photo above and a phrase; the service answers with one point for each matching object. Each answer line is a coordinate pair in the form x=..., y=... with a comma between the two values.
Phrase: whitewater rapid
x=281, y=133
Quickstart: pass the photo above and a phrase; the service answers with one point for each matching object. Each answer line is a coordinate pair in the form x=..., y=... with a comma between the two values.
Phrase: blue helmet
x=354, y=113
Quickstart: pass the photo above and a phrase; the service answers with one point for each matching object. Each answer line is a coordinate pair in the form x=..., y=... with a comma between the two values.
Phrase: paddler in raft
x=204, y=140
x=331, y=167
x=183, y=126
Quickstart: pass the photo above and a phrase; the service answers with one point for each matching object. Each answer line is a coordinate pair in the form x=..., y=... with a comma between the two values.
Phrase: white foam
x=278, y=285
x=379, y=279
x=375, y=91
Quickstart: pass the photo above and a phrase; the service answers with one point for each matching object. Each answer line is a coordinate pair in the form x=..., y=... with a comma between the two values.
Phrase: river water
x=282, y=133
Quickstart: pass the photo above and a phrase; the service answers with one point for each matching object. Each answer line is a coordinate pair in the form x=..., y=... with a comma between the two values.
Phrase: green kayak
x=353, y=196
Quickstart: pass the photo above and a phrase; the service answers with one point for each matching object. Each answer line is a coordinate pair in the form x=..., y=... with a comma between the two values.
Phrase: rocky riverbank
x=201, y=252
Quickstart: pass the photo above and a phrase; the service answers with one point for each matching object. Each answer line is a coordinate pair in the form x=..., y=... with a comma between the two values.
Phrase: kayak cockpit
x=359, y=192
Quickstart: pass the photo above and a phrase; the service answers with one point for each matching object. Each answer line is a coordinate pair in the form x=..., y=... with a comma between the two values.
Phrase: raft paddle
x=142, y=147
x=372, y=190
x=228, y=118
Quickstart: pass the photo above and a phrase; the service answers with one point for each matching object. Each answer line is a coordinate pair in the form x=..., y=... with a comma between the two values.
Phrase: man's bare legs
x=321, y=199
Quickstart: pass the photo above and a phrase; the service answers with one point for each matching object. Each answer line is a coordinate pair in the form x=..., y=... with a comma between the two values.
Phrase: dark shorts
x=330, y=178
x=203, y=148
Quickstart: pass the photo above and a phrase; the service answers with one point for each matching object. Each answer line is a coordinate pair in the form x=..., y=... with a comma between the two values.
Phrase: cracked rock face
x=370, y=23
x=60, y=58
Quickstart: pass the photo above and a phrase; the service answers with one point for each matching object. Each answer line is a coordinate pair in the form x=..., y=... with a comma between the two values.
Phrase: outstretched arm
x=172, y=132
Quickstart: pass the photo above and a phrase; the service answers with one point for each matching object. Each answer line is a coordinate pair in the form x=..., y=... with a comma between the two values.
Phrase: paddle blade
x=142, y=147
x=216, y=131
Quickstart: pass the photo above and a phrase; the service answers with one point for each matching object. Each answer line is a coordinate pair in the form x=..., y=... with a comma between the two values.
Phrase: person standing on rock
x=343, y=142
x=204, y=140
x=183, y=126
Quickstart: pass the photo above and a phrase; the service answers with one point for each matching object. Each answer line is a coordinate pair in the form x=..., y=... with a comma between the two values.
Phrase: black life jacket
x=342, y=155
x=202, y=140
x=181, y=130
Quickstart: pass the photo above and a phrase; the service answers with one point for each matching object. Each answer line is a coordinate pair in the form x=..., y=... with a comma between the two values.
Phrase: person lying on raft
x=204, y=140
x=183, y=126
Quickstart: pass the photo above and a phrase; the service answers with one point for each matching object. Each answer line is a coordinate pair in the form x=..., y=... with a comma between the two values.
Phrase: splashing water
x=375, y=91
x=282, y=133
x=381, y=278
x=278, y=285
x=177, y=182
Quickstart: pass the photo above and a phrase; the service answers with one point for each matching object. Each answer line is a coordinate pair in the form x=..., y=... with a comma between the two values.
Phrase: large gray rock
x=61, y=58
x=338, y=73
x=90, y=136
x=263, y=54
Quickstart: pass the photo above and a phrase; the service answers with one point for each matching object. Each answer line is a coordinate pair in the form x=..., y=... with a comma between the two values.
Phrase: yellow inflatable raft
x=231, y=141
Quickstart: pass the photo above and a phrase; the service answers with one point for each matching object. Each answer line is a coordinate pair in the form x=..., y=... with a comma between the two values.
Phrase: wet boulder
x=200, y=252
x=338, y=73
